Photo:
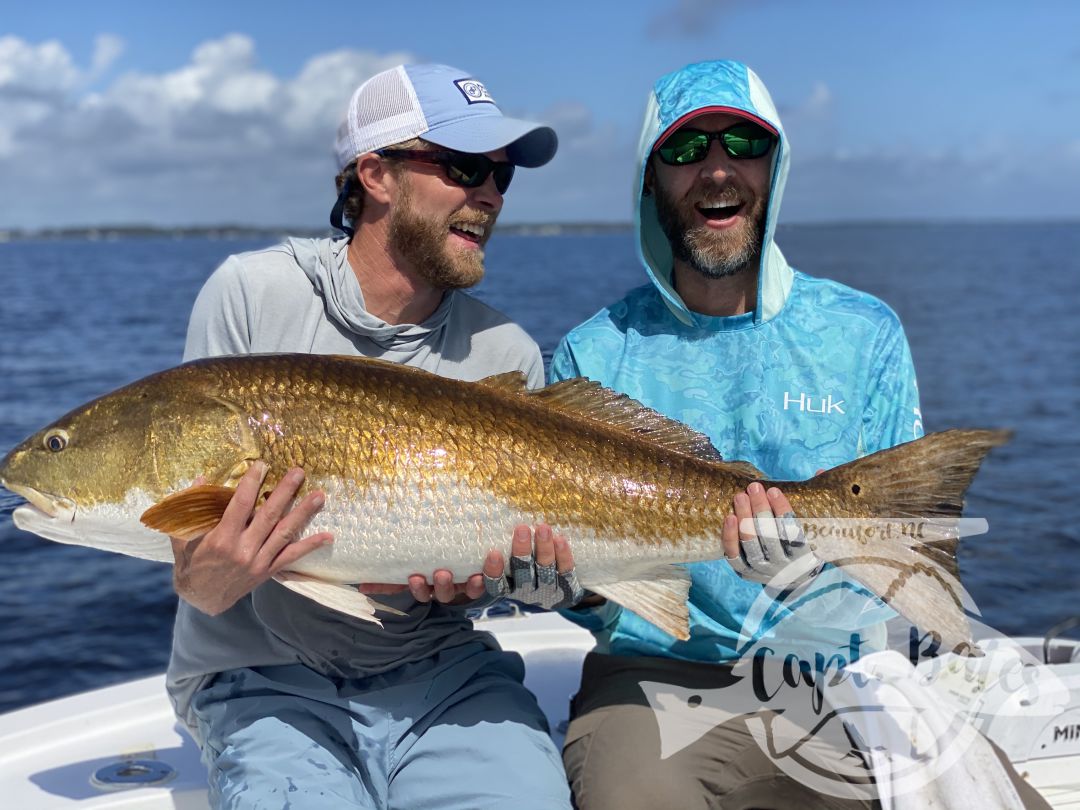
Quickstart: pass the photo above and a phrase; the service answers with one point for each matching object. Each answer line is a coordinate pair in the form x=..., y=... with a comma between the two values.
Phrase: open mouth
x=47, y=504
x=719, y=212
x=469, y=232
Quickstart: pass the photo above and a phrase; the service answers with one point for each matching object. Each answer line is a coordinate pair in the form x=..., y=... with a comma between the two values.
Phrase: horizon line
x=523, y=228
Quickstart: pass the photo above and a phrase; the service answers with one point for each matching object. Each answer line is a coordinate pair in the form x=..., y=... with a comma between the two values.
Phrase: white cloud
x=819, y=101
x=221, y=139
x=317, y=97
x=44, y=70
x=107, y=49
x=218, y=138
x=816, y=106
x=222, y=77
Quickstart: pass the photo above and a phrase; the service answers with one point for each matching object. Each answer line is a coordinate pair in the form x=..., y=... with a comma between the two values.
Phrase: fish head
x=138, y=443
x=85, y=457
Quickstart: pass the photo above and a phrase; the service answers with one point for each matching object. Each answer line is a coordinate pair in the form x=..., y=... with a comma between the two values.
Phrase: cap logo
x=474, y=91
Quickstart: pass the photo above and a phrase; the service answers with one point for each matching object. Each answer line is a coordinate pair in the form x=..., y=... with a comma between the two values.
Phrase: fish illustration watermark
x=825, y=707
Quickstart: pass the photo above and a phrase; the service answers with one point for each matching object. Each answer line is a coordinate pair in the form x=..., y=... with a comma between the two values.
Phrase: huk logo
x=474, y=91
x=811, y=404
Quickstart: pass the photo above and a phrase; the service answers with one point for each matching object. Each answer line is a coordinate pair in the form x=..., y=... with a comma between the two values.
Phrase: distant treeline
x=112, y=232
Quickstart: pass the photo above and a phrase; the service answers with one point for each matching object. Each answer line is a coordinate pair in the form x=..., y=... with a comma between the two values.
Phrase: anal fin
x=190, y=513
x=336, y=596
x=658, y=596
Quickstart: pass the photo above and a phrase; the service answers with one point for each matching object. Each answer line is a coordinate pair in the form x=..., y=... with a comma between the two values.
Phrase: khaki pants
x=613, y=751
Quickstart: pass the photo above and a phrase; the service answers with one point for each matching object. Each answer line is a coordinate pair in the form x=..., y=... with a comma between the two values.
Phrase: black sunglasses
x=463, y=168
x=741, y=141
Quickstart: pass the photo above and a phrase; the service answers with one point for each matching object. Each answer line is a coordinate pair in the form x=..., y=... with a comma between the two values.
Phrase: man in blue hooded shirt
x=789, y=372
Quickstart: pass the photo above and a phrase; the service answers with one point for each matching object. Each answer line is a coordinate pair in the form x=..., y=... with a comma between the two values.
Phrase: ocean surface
x=990, y=311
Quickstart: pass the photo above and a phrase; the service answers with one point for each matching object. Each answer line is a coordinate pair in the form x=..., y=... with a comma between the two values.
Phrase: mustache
x=725, y=194
x=484, y=219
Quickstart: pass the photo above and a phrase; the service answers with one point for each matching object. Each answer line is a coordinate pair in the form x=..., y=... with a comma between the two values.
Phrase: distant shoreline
x=106, y=233
x=112, y=233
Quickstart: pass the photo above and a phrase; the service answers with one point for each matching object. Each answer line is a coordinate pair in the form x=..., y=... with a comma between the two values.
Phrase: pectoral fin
x=190, y=513
x=342, y=598
x=658, y=596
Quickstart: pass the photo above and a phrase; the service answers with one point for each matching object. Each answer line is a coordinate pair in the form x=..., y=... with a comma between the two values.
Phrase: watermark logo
x=826, y=711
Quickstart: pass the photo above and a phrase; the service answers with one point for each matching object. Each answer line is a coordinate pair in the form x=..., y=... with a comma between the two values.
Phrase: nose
x=486, y=196
x=717, y=165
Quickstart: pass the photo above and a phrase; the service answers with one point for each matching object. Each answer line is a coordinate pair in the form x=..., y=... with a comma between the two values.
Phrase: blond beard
x=713, y=254
x=422, y=243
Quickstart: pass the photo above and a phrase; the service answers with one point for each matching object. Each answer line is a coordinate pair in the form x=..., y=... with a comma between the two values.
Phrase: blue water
x=990, y=311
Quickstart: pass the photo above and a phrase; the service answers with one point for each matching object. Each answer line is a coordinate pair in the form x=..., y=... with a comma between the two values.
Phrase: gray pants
x=613, y=757
x=457, y=731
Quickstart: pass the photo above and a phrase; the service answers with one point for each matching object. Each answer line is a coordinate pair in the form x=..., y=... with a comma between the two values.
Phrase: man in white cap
x=294, y=704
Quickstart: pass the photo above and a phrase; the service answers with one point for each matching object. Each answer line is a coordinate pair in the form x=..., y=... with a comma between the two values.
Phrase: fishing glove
x=777, y=555
x=540, y=585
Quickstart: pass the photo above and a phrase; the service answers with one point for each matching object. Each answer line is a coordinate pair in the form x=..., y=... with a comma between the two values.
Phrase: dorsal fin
x=745, y=469
x=583, y=397
x=512, y=382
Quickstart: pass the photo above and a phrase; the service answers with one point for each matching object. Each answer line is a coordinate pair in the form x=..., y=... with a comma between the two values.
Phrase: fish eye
x=56, y=440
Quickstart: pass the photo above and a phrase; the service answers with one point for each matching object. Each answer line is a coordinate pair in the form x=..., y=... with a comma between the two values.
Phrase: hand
x=443, y=589
x=543, y=576
x=764, y=542
x=215, y=571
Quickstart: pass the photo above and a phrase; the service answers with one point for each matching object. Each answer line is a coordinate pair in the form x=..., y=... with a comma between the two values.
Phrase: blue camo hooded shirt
x=816, y=375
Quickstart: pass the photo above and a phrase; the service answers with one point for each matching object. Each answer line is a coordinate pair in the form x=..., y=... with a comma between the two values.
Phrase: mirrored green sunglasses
x=741, y=142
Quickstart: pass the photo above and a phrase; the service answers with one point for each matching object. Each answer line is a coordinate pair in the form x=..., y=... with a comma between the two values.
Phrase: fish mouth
x=46, y=503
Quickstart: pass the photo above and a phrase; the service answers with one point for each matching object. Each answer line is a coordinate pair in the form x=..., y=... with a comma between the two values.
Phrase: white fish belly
x=387, y=533
x=110, y=527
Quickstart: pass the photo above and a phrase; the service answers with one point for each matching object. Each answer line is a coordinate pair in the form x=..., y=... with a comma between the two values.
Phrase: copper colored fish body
x=423, y=472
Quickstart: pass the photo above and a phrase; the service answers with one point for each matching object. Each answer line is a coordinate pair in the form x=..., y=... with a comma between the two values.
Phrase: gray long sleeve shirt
x=302, y=296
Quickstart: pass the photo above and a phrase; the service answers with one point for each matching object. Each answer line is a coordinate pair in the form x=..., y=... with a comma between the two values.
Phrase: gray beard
x=705, y=259
x=710, y=254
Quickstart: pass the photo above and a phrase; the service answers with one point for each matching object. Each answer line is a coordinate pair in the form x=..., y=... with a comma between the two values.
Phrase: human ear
x=650, y=178
x=375, y=178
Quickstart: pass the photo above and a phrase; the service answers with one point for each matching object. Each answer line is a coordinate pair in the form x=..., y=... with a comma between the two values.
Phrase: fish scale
x=501, y=444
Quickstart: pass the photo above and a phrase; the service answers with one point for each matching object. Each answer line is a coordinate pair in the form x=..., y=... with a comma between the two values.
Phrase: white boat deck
x=60, y=755
x=50, y=753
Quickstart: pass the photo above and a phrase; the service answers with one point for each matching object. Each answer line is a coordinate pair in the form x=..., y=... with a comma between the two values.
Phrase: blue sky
x=200, y=113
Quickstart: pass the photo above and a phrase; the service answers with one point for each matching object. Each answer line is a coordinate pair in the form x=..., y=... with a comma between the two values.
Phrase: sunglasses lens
x=471, y=171
x=504, y=173
x=685, y=146
x=740, y=141
x=466, y=170
x=746, y=141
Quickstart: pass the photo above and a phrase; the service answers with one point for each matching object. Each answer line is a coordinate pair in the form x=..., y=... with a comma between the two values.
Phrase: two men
x=297, y=705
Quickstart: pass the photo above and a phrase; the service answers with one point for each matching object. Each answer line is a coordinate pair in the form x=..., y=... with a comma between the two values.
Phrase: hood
x=720, y=86
x=325, y=263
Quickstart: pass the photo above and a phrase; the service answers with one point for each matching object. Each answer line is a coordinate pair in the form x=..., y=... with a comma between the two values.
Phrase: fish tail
x=921, y=484
x=925, y=478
